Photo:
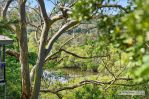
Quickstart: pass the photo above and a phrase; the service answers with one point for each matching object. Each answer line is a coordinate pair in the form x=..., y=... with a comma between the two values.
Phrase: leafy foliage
x=138, y=32
x=88, y=92
x=123, y=39
x=84, y=9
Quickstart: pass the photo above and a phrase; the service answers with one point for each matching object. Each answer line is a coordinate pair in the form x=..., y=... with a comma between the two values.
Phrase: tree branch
x=13, y=53
x=113, y=6
x=87, y=82
x=56, y=17
x=105, y=65
x=43, y=11
x=59, y=33
x=59, y=50
x=6, y=8
x=82, y=57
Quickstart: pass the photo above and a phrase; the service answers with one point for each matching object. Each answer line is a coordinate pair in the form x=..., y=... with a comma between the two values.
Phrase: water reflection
x=53, y=76
x=64, y=75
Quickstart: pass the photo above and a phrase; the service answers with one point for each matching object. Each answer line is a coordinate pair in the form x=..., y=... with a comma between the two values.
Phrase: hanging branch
x=85, y=82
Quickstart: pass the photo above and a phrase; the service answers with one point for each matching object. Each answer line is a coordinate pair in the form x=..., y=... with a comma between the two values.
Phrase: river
x=64, y=75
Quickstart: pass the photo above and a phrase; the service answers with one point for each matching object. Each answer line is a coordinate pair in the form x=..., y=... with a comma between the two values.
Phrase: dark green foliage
x=32, y=58
x=13, y=79
x=88, y=92
x=4, y=24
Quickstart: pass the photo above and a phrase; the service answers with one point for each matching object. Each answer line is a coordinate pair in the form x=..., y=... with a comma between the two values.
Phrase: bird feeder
x=4, y=40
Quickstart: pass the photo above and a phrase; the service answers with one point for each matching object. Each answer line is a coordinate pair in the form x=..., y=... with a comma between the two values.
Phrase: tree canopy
x=101, y=37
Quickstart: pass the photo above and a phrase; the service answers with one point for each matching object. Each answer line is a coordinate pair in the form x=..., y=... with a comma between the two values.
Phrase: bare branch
x=55, y=18
x=53, y=2
x=37, y=11
x=43, y=10
x=13, y=53
x=82, y=57
x=73, y=54
x=63, y=88
x=6, y=8
x=105, y=65
x=33, y=25
x=84, y=83
x=36, y=31
x=59, y=33
x=36, y=35
x=73, y=3
x=59, y=50
x=113, y=6
x=67, y=42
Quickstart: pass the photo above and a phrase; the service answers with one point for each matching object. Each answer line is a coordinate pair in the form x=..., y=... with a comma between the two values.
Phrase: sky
x=123, y=3
x=49, y=5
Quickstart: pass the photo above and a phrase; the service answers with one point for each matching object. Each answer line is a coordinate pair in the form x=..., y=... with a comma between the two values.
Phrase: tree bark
x=40, y=62
x=26, y=91
x=4, y=13
x=42, y=51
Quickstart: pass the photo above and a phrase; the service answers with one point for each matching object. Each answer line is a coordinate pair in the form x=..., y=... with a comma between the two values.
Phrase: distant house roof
x=5, y=40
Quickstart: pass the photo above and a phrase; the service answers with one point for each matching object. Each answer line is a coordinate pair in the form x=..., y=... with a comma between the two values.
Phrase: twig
x=82, y=57
x=105, y=65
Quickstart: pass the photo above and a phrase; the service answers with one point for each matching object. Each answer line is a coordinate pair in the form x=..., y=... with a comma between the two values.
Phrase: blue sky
x=123, y=3
x=50, y=5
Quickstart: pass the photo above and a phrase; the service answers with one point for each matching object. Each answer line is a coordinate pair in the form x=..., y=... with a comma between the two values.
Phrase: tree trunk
x=40, y=62
x=24, y=52
x=38, y=74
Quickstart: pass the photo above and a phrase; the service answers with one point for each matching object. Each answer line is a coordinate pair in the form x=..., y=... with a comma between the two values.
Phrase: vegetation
x=82, y=49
